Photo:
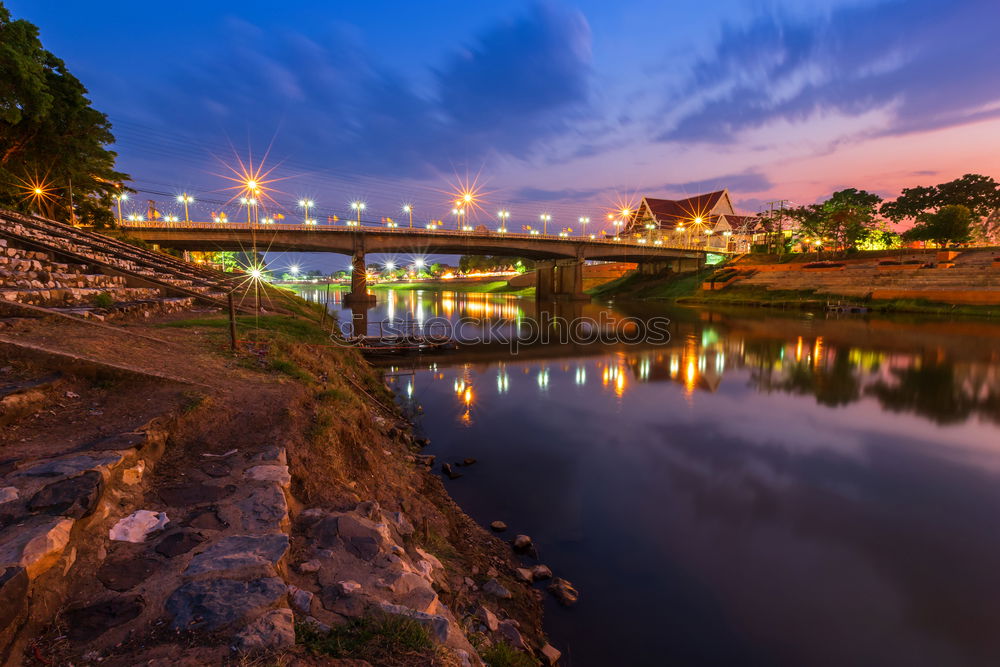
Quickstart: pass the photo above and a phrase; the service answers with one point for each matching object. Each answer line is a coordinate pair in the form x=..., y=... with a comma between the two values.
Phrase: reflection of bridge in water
x=559, y=259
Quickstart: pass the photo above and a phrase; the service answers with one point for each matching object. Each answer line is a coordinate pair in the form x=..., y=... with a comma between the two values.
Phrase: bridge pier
x=569, y=280
x=544, y=279
x=359, y=281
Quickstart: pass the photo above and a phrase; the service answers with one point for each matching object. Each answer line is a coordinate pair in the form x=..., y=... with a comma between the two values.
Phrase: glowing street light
x=251, y=205
x=306, y=204
x=185, y=199
x=118, y=198
x=408, y=210
x=584, y=221
x=504, y=217
x=545, y=217
x=419, y=262
x=358, y=206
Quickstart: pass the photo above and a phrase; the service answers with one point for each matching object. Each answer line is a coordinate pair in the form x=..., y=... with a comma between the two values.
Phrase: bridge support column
x=359, y=282
x=569, y=280
x=544, y=280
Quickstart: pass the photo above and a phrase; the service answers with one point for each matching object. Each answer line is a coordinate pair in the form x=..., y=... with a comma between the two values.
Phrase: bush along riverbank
x=268, y=506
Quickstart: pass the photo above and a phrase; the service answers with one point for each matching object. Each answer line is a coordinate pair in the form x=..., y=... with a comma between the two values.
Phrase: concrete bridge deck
x=559, y=258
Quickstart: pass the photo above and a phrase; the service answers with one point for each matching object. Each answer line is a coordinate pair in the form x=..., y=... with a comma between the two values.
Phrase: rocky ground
x=166, y=501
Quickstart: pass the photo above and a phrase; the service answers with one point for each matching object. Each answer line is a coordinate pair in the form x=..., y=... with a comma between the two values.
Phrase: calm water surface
x=766, y=489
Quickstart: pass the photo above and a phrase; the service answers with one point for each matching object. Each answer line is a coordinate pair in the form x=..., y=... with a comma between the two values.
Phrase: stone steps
x=78, y=295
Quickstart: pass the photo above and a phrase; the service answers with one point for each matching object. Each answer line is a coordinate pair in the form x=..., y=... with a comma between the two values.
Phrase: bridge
x=559, y=259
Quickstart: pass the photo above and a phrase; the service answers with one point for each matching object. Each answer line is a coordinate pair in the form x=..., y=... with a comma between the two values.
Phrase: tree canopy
x=977, y=193
x=846, y=218
x=949, y=224
x=53, y=143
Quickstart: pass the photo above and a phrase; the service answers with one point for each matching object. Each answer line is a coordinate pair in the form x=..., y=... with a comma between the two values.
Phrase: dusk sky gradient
x=558, y=107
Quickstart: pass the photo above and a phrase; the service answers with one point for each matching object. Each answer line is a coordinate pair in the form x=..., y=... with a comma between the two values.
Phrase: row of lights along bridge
x=460, y=211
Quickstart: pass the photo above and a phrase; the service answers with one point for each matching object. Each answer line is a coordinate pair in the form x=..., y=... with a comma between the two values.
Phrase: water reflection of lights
x=543, y=379
x=581, y=375
x=503, y=381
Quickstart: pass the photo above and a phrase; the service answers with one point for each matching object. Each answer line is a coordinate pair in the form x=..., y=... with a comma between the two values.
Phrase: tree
x=50, y=136
x=949, y=224
x=979, y=194
x=846, y=218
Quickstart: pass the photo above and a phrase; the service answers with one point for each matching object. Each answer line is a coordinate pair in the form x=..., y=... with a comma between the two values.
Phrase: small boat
x=388, y=345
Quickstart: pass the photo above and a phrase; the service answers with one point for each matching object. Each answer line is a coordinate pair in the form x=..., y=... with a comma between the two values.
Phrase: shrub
x=104, y=300
x=378, y=639
x=501, y=654
x=822, y=265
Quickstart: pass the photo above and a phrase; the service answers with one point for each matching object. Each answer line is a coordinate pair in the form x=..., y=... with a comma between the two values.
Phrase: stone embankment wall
x=972, y=277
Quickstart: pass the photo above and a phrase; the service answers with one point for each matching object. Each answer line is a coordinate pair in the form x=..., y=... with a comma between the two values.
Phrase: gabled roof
x=671, y=213
x=743, y=223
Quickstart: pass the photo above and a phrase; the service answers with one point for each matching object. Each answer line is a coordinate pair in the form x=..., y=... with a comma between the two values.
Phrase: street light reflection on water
x=728, y=467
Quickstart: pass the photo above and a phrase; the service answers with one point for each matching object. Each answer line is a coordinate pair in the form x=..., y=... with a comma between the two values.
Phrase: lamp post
x=306, y=204
x=120, y=198
x=250, y=203
x=358, y=206
x=584, y=221
x=185, y=199
x=504, y=217
x=545, y=217
x=408, y=210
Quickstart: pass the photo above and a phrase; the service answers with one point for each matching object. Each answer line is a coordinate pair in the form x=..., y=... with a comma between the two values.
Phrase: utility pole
x=778, y=236
x=72, y=208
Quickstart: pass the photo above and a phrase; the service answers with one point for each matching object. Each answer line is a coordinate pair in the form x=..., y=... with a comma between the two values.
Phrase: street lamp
x=504, y=217
x=458, y=212
x=545, y=217
x=186, y=199
x=120, y=198
x=584, y=221
x=358, y=206
x=408, y=210
x=306, y=204
x=250, y=203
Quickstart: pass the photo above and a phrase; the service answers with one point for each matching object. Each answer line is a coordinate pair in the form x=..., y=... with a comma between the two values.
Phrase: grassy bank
x=686, y=289
x=810, y=300
x=638, y=286
x=491, y=287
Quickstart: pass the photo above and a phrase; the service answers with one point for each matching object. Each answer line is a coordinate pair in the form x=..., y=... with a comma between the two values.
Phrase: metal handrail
x=374, y=227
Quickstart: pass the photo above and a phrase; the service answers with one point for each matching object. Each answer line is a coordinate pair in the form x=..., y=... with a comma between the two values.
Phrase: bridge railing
x=637, y=241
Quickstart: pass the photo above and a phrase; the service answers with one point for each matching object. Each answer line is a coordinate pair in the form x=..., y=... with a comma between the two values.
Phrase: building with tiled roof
x=703, y=220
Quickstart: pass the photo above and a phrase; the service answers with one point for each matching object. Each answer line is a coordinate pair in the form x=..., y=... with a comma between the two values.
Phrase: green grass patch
x=502, y=654
x=760, y=296
x=104, y=300
x=638, y=286
x=379, y=639
x=334, y=396
x=495, y=286
x=290, y=328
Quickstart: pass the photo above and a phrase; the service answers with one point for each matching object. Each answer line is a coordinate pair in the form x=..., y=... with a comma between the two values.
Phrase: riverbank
x=202, y=505
x=686, y=289
x=460, y=286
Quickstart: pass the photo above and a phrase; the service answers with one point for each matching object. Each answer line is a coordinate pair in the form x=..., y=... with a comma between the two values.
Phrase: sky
x=555, y=107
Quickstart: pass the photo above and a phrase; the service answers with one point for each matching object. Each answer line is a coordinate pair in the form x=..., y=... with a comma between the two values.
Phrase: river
x=765, y=489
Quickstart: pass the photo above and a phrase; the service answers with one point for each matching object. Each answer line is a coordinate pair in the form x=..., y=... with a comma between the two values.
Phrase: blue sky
x=556, y=106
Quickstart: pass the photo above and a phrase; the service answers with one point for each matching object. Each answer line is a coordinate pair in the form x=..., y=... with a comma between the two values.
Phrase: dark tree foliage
x=50, y=136
x=469, y=263
x=979, y=194
x=847, y=217
x=949, y=224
